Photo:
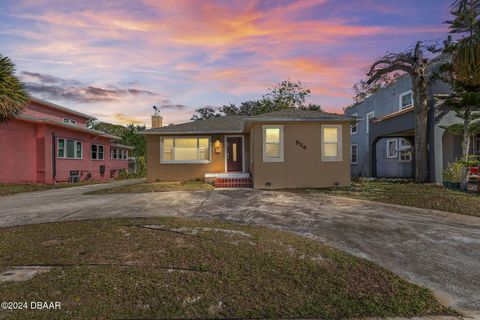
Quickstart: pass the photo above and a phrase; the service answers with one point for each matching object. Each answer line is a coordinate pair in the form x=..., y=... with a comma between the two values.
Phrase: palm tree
x=466, y=52
x=13, y=96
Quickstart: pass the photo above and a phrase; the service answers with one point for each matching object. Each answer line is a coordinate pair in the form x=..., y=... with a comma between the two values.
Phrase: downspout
x=54, y=159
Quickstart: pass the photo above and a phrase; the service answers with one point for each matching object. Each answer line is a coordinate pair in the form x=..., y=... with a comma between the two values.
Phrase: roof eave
x=190, y=132
x=66, y=125
x=58, y=107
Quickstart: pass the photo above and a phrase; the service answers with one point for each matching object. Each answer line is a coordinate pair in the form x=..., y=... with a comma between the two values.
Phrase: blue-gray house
x=383, y=139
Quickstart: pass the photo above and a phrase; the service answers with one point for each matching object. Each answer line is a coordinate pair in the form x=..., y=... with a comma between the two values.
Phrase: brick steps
x=233, y=183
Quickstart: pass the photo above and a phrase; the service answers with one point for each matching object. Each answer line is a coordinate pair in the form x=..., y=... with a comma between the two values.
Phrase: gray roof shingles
x=235, y=124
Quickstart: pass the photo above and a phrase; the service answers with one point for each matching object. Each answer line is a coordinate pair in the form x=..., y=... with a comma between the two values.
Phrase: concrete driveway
x=436, y=249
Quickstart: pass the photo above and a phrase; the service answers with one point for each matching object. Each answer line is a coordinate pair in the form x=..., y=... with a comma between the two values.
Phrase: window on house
x=406, y=100
x=354, y=126
x=125, y=154
x=354, y=154
x=370, y=115
x=272, y=143
x=405, y=154
x=391, y=148
x=183, y=150
x=97, y=152
x=332, y=142
x=69, y=149
x=70, y=121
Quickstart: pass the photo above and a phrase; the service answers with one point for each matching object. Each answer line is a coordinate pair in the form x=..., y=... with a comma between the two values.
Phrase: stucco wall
x=26, y=154
x=42, y=111
x=17, y=152
x=301, y=167
x=185, y=172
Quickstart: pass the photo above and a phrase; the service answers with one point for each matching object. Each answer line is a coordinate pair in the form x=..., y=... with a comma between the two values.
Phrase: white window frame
x=162, y=161
x=69, y=121
x=103, y=152
x=65, y=149
x=281, y=143
x=371, y=113
x=400, y=97
x=389, y=156
x=354, y=125
x=351, y=153
x=339, y=156
x=400, y=152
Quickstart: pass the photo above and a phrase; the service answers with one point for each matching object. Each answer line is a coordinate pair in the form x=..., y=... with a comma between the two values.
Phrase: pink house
x=49, y=143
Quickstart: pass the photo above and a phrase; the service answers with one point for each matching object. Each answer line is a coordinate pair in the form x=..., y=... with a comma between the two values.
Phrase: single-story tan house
x=284, y=149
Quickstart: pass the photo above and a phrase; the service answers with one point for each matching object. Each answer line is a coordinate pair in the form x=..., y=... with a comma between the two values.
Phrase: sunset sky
x=116, y=59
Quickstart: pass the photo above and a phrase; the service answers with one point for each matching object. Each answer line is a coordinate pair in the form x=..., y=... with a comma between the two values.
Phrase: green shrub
x=455, y=172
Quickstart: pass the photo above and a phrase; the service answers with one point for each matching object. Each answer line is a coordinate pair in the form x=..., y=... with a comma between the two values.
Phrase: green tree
x=205, y=113
x=132, y=137
x=466, y=51
x=462, y=72
x=285, y=95
x=13, y=96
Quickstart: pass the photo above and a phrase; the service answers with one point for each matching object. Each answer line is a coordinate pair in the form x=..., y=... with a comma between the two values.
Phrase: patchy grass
x=12, y=188
x=179, y=268
x=428, y=196
x=156, y=187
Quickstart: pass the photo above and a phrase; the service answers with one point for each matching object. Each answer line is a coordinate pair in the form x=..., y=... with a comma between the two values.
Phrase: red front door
x=234, y=154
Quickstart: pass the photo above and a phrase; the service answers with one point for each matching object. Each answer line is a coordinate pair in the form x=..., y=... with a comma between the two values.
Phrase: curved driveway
x=436, y=249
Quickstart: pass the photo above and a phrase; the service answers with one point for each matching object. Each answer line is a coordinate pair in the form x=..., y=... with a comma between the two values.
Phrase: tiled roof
x=235, y=124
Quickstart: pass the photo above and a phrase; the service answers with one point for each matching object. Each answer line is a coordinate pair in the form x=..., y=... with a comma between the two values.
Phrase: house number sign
x=301, y=145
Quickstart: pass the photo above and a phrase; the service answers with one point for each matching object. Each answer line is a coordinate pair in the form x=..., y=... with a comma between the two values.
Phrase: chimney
x=156, y=118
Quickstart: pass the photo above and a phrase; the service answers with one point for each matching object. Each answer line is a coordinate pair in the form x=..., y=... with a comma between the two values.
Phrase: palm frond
x=13, y=96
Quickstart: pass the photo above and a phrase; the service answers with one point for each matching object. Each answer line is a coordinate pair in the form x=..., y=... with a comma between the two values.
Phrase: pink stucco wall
x=17, y=152
x=26, y=153
x=41, y=111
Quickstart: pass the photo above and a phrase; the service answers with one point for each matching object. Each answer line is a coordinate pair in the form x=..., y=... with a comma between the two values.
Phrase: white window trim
x=367, y=129
x=65, y=149
x=162, y=161
x=354, y=125
x=400, y=152
x=351, y=153
x=339, y=156
x=243, y=150
x=69, y=121
x=400, y=99
x=264, y=145
x=103, y=152
x=396, y=147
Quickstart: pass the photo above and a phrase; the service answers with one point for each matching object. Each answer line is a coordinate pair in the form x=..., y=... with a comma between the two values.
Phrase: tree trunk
x=421, y=129
x=466, y=146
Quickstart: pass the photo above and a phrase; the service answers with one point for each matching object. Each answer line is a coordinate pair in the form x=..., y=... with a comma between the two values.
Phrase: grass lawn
x=179, y=268
x=428, y=196
x=12, y=188
x=156, y=187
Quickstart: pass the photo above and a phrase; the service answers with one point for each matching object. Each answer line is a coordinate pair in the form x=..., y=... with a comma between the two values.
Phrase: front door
x=234, y=154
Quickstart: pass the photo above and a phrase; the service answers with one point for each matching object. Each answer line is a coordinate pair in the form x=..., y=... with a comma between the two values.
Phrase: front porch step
x=233, y=183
